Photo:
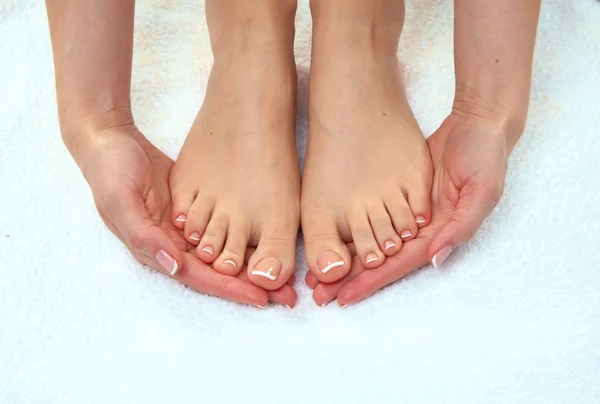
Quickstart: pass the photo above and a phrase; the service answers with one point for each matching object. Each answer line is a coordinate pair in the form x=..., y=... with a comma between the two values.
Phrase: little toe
x=197, y=220
x=211, y=242
x=389, y=241
x=366, y=245
x=231, y=259
x=420, y=205
x=402, y=217
x=274, y=261
x=327, y=256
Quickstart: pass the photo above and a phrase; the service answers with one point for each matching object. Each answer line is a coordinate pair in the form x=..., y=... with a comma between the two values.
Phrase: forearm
x=494, y=43
x=92, y=43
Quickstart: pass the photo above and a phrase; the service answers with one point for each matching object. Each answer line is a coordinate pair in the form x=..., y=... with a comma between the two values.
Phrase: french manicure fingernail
x=195, y=236
x=260, y=307
x=420, y=219
x=440, y=256
x=344, y=306
x=268, y=267
x=287, y=306
x=406, y=234
x=167, y=262
x=329, y=260
x=180, y=219
x=389, y=244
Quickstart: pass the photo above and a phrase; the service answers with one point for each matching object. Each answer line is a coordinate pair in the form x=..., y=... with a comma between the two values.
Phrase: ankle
x=374, y=25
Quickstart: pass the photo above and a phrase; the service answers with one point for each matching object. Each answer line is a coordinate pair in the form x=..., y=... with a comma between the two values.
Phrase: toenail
x=180, y=219
x=406, y=234
x=440, y=256
x=389, y=244
x=420, y=219
x=329, y=260
x=167, y=262
x=208, y=249
x=195, y=236
x=268, y=268
x=370, y=257
x=230, y=262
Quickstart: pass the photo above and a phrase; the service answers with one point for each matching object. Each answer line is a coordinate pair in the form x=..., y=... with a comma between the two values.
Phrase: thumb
x=143, y=236
x=476, y=202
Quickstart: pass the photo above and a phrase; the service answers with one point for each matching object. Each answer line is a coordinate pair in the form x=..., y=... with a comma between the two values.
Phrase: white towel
x=514, y=316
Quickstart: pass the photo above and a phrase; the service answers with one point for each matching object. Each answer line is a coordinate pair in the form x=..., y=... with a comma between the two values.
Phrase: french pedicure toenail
x=180, y=219
x=405, y=234
x=167, y=262
x=268, y=268
x=420, y=219
x=389, y=244
x=208, y=249
x=329, y=260
x=370, y=257
x=230, y=262
x=195, y=236
x=440, y=256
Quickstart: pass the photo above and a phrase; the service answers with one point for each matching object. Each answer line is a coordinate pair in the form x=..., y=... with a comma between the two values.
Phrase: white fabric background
x=514, y=317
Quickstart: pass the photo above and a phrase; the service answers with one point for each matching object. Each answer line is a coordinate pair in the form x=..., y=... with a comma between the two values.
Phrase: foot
x=236, y=183
x=368, y=172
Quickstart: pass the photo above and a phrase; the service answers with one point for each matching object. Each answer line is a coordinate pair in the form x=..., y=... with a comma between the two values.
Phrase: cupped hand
x=129, y=181
x=470, y=156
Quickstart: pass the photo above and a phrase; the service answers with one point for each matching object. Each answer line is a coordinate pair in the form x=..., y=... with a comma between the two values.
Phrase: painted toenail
x=180, y=219
x=208, y=249
x=389, y=244
x=440, y=256
x=230, y=262
x=370, y=257
x=167, y=262
x=420, y=219
x=268, y=268
x=195, y=236
x=406, y=234
x=329, y=260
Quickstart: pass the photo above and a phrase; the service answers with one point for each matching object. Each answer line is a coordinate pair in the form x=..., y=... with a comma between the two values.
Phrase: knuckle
x=136, y=240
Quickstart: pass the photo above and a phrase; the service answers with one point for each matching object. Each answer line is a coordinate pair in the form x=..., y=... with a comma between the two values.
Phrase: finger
x=142, y=235
x=203, y=279
x=475, y=204
x=413, y=255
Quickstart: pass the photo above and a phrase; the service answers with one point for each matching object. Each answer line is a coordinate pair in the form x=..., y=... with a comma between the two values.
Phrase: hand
x=470, y=158
x=129, y=180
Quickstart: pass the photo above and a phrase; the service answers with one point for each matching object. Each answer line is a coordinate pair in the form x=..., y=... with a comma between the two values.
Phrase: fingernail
x=287, y=306
x=389, y=244
x=370, y=257
x=344, y=306
x=322, y=304
x=329, y=260
x=440, y=256
x=420, y=219
x=167, y=262
x=268, y=267
x=208, y=249
x=195, y=236
x=260, y=307
x=230, y=262
x=405, y=233
x=180, y=219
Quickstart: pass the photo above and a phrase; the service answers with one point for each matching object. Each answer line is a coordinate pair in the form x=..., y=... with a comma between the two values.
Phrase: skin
x=92, y=43
x=494, y=44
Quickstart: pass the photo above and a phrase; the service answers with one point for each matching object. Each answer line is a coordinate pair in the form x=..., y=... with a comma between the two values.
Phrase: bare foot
x=236, y=182
x=368, y=171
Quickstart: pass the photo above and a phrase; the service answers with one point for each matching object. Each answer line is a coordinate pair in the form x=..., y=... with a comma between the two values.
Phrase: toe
x=388, y=240
x=231, y=259
x=274, y=261
x=366, y=246
x=327, y=256
x=183, y=198
x=419, y=202
x=212, y=240
x=196, y=220
x=402, y=217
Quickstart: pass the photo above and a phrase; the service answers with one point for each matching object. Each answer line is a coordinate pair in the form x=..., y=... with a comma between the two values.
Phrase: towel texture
x=514, y=316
